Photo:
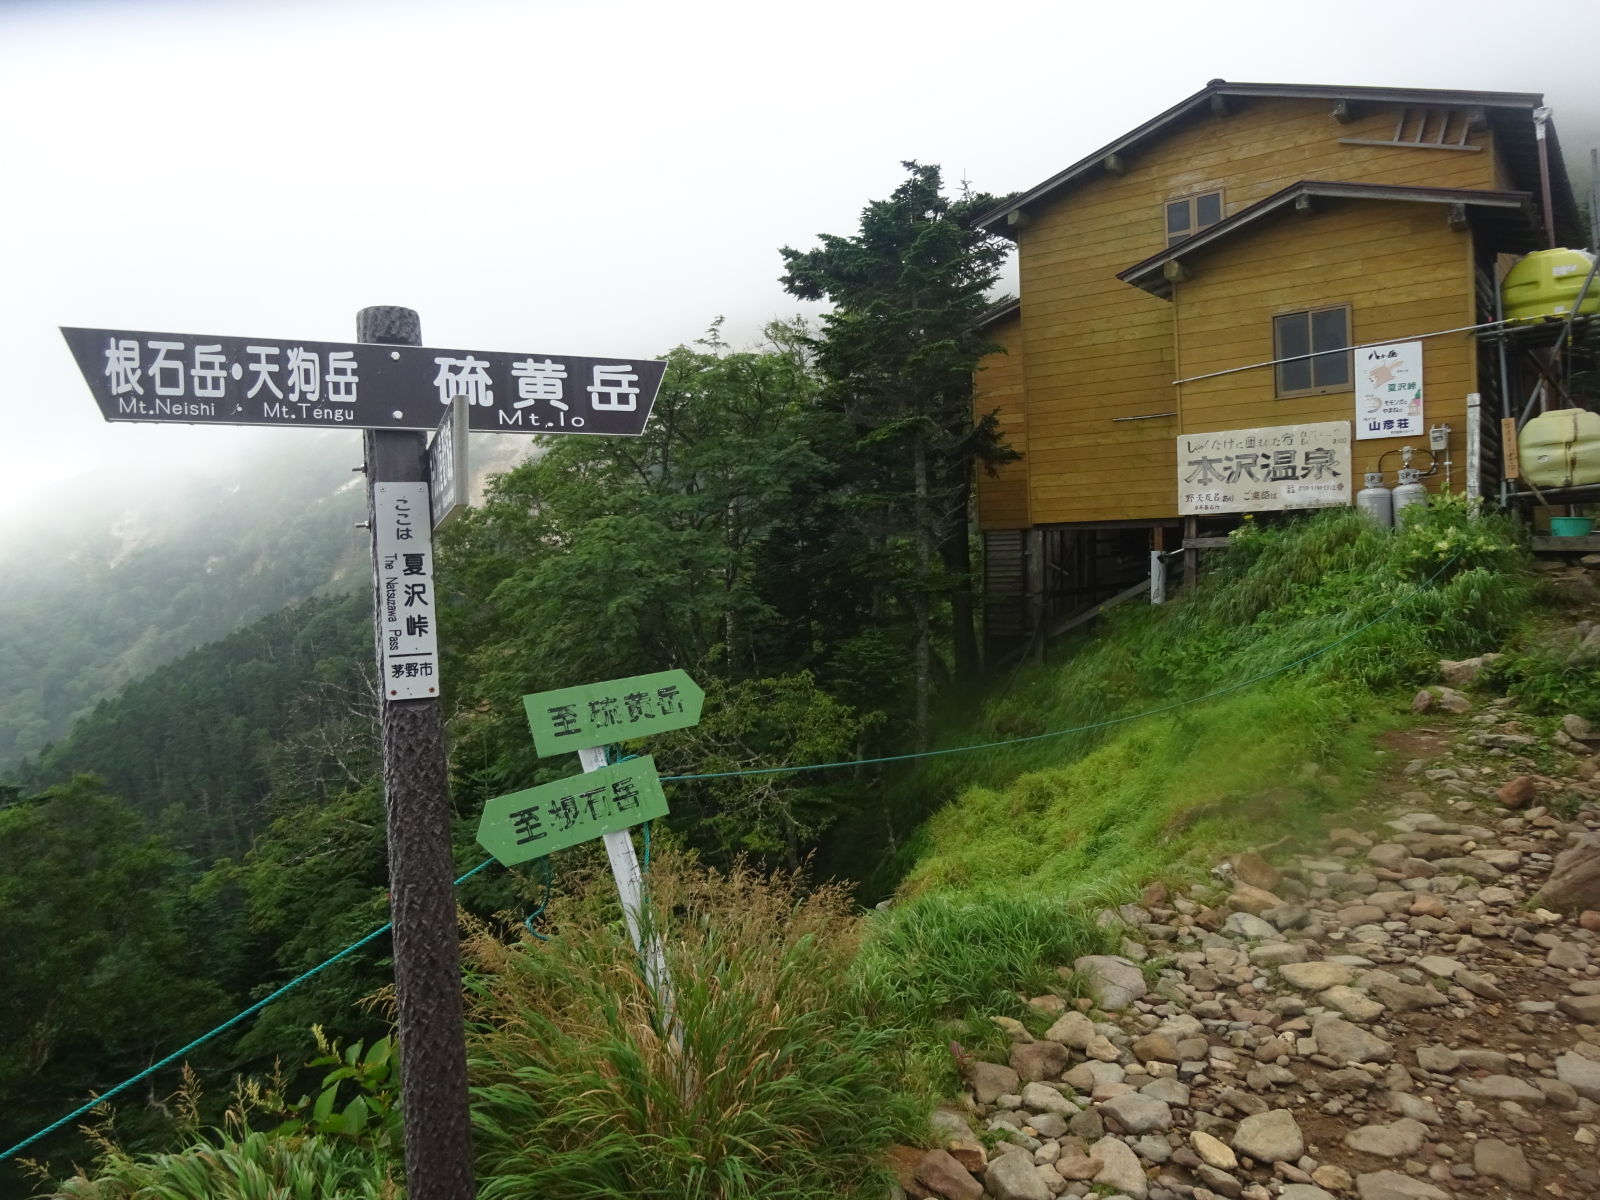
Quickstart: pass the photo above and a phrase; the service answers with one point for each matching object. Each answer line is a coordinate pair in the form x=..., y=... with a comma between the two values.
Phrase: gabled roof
x=1510, y=115
x=1509, y=217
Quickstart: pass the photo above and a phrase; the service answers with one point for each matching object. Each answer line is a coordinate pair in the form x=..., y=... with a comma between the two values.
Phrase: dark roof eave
x=1147, y=274
x=1514, y=100
x=999, y=312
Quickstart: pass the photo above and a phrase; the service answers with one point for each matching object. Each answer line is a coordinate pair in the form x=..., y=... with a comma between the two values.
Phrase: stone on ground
x=1272, y=1136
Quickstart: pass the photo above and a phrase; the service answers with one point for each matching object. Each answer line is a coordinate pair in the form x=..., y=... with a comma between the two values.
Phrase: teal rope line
x=1055, y=733
x=226, y=1025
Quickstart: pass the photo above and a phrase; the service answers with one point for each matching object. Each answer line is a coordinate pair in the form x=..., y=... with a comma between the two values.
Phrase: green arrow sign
x=537, y=821
x=599, y=713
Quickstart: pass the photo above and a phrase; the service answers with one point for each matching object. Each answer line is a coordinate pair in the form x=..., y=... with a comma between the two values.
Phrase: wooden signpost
x=386, y=384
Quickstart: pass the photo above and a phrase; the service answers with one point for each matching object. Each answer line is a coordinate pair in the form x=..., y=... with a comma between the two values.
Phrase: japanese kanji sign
x=1389, y=391
x=594, y=714
x=447, y=465
x=1262, y=470
x=407, y=619
x=538, y=821
x=203, y=379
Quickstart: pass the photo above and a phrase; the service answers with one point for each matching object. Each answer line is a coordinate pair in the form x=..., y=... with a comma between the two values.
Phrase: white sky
x=580, y=178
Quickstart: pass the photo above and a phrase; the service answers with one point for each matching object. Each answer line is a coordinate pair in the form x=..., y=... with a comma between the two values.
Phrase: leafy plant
x=762, y=1081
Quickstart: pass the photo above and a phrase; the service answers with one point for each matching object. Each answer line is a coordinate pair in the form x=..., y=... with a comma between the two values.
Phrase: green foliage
x=1347, y=608
x=766, y=1083
x=210, y=745
x=370, y=1117
x=249, y=1165
x=899, y=353
x=942, y=960
x=91, y=929
x=749, y=725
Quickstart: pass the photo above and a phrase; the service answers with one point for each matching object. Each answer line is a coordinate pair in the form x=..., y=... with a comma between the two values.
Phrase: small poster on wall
x=1389, y=391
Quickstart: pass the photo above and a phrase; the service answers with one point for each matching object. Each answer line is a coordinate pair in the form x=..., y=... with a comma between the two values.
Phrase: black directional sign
x=201, y=379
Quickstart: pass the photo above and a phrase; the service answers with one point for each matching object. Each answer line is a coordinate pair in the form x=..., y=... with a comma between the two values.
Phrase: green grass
x=769, y=1082
x=1359, y=617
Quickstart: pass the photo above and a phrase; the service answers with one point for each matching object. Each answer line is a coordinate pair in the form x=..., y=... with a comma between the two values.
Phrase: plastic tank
x=1561, y=448
x=1545, y=284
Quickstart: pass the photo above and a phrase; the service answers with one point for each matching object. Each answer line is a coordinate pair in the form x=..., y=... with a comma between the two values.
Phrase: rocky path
x=1412, y=1013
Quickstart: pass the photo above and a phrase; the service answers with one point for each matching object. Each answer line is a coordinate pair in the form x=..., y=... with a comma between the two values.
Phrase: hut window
x=1189, y=216
x=1322, y=332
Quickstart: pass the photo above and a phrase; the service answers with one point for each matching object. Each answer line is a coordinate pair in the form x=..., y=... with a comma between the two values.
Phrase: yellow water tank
x=1546, y=283
x=1561, y=448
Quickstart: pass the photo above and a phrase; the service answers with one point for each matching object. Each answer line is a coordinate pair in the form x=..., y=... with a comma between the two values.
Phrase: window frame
x=1348, y=385
x=1190, y=203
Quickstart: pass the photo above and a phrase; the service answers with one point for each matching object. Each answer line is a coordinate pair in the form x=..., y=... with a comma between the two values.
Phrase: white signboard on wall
x=1389, y=391
x=1264, y=470
x=407, y=616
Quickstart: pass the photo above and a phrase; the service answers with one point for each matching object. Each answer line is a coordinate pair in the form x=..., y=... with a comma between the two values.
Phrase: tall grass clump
x=766, y=1083
x=235, y=1162
x=940, y=965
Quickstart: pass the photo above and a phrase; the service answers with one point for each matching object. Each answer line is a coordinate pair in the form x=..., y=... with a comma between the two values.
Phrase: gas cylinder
x=1375, y=502
x=1408, y=492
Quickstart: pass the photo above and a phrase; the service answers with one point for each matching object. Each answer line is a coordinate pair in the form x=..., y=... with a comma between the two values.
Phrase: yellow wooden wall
x=1398, y=265
x=1003, y=496
x=1095, y=348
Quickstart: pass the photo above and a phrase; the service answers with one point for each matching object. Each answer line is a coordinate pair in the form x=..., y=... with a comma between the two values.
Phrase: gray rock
x=1395, y=1140
x=1071, y=1029
x=1042, y=1098
x=1305, y=1191
x=1272, y=1136
x=1111, y=982
x=1139, y=1114
x=1440, y=1059
x=1247, y=925
x=1574, y=882
x=1120, y=1168
x=1400, y=996
x=945, y=1176
x=1213, y=1152
x=1391, y=1185
x=1353, y=1004
x=1581, y=1008
x=1502, y=1087
x=1341, y=1040
x=1012, y=1177
x=1038, y=1060
x=1493, y=1157
x=990, y=1081
x=1316, y=976
x=1581, y=1074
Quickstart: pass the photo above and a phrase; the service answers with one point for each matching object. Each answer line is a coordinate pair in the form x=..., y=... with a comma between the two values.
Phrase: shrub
x=766, y=1082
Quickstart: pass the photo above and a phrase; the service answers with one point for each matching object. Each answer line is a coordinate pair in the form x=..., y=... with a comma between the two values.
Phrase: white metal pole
x=625, y=870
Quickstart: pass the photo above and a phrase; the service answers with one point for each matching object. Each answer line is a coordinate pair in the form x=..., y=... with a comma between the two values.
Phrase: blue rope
x=225, y=1026
x=548, y=877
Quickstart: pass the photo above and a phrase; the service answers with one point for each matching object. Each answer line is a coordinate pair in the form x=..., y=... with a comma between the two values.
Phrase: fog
x=579, y=178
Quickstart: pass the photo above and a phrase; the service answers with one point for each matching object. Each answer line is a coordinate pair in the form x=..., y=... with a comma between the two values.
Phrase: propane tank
x=1375, y=502
x=1408, y=491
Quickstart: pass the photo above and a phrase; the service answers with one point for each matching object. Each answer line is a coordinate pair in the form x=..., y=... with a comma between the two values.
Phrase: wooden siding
x=1399, y=267
x=1095, y=348
x=1003, y=497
